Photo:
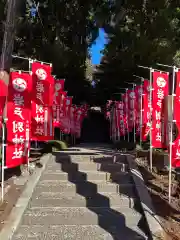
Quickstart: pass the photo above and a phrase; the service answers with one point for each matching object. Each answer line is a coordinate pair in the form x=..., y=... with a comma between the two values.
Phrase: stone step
x=98, y=200
x=104, y=216
x=58, y=175
x=88, y=159
x=83, y=166
x=72, y=232
x=86, y=188
x=74, y=159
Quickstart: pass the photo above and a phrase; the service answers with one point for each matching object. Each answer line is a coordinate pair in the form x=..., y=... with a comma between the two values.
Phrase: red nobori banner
x=146, y=121
x=58, y=89
x=78, y=121
x=132, y=110
x=42, y=119
x=19, y=116
x=176, y=143
x=125, y=110
x=56, y=116
x=121, y=118
x=67, y=106
x=138, y=93
x=42, y=81
x=160, y=90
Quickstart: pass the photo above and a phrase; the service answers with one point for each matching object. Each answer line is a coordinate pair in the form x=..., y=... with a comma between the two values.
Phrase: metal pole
x=3, y=157
x=43, y=62
x=151, y=147
x=171, y=133
x=29, y=144
x=24, y=58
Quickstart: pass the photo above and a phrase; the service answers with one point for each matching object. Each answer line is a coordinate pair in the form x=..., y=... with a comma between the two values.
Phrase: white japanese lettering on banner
x=40, y=109
x=39, y=120
x=160, y=88
x=18, y=128
x=41, y=76
x=160, y=96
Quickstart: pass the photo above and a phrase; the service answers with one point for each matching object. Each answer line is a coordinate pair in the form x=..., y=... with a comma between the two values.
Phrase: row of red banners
x=36, y=103
x=136, y=105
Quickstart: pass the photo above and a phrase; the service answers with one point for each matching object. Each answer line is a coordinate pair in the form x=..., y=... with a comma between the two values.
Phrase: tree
x=60, y=32
x=144, y=33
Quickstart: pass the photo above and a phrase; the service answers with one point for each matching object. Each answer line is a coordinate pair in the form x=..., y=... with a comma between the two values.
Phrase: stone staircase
x=85, y=197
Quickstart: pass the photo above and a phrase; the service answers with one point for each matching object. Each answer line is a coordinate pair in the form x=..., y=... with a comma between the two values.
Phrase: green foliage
x=61, y=33
x=143, y=33
x=57, y=145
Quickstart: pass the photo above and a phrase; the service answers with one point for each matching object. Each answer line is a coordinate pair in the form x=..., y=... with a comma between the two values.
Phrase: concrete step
x=103, y=216
x=72, y=232
x=76, y=200
x=58, y=175
x=74, y=159
x=69, y=167
x=83, y=166
x=86, y=188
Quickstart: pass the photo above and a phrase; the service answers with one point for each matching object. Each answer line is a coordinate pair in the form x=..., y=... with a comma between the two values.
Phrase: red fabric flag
x=42, y=119
x=176, y=143
x=138, y=93
x=125, y=110
x=146, y=121
x=78, y=121
x=121, y=120
x=19, y=116
x=58, y=90
x=131, y=107
x=160, y=90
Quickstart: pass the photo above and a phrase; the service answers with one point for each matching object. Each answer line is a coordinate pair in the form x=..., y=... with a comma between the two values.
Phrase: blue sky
x=98, y=46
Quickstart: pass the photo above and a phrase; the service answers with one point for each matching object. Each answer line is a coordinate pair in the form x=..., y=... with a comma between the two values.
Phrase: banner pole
x=150, y=133
x=171, y=133
x=28, y=163
x=25, y=58
x=3, y=158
